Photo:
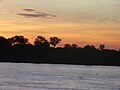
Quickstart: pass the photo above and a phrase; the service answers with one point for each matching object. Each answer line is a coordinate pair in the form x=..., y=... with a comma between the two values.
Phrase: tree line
x=21, y=40
x=40, y=41
x=18, y=49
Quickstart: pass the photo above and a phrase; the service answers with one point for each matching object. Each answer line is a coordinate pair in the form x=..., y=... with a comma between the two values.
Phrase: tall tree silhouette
x=18, y=40
x=42, y=42
x=4, y=42
x=54, y=41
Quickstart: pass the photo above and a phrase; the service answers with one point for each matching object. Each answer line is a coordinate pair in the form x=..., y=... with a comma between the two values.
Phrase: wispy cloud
x=36, y=14
x=45, y=14
x=27, y=9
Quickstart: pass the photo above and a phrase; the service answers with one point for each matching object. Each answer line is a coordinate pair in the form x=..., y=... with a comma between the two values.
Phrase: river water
x=14, y=76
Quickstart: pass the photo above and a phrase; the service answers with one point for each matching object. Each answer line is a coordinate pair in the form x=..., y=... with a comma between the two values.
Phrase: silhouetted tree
x=67, y=46
x=4, y=42
x=54, y=41
x=102, y=47
x=71, y=46
x=18, y=40
x=42, y=42
x=74, y=46
x=89, y=47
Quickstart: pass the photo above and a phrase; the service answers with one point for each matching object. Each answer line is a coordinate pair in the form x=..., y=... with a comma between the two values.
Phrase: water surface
x=58, y=77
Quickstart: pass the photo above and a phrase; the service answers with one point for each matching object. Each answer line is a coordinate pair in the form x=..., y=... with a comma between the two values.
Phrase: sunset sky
x=82, y=22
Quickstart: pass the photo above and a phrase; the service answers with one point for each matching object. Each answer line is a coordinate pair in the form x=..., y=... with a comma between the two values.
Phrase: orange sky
x=82, y=22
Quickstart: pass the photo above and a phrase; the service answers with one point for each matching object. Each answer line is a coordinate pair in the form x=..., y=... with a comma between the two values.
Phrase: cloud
x=28, y=9
x=36, y=14
x=45, y=14
x=31, y=15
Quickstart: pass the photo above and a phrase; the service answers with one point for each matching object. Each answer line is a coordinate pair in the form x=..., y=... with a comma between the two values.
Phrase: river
x=20, y=76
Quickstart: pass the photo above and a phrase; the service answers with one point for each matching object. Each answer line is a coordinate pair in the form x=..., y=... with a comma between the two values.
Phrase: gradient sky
x=74, y=21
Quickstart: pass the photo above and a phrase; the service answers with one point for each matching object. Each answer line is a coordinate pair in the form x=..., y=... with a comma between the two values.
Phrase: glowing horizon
x=82, y=22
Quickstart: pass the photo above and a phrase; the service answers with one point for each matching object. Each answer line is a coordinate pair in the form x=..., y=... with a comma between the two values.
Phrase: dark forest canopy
x=18, y=49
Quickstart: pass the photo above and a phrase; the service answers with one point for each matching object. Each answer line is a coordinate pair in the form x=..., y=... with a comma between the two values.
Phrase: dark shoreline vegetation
x=17, y=49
